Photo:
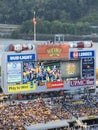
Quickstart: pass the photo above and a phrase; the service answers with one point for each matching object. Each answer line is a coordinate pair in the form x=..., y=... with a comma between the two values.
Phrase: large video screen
x=70, y=69
x=40, y=72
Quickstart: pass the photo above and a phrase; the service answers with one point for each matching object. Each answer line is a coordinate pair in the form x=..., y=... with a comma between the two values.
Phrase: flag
x=34, y=21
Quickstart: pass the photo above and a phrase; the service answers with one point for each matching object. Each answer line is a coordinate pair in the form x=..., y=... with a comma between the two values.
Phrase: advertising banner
x=88, y=65
x=91, y=117
x=82, y=82
x=55, y=84
x=82, y=54
x=20, y=57
x=48, y=52
x=14, y=72
x=77, y=102
x=21, y=87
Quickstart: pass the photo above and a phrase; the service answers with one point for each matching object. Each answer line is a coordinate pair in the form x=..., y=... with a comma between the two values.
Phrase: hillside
x=17, y=11
x=75, y=17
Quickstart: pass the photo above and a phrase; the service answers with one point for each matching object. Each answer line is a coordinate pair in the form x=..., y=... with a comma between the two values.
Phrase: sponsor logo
x=83, y=82
x=54, y=51
x=20, y=57
x=75, y=54
x=77, y=102
x=91, y=117
x=80, y=54
x=21, y=87
x=55, y=84
x=71, y=69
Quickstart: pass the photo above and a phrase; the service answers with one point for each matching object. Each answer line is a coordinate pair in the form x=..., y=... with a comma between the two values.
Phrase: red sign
x=55, y=84
x=48, y=52
x=82, y=82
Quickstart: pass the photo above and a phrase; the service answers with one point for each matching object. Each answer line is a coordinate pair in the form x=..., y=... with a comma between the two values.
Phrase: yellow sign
x=54, y=51
x=77, y=102
x=91, y=117
x=22, y=87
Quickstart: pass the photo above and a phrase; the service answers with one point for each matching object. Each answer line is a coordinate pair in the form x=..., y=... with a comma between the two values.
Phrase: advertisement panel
x=91, y=117
x=20, y=57
x=15, y=66
x=82, y=82
x=82, y=54
x=21, y=88
x=88, y=65
x=70, y=69
x=77, y=102
x=48, y=52
x=55, y=84
x=14, y=72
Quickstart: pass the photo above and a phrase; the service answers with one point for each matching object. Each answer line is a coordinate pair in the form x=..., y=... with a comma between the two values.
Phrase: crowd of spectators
x=45, y=108
x=16, y=115
x=84, y=107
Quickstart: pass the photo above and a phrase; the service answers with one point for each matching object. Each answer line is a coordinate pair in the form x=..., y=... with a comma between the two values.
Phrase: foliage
x=17, y=11
x=53, y=16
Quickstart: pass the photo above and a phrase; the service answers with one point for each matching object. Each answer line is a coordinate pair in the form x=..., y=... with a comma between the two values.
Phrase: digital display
x=87, y=67
x=28, y=71
x=38, y=72
x=70, y=69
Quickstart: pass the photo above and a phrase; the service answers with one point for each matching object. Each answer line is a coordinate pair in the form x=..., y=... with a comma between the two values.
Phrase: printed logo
x=75, y=54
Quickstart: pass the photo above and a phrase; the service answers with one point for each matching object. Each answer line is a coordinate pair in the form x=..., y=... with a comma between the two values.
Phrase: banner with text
x=21, y=87
x=55, y=84
x=82, y=82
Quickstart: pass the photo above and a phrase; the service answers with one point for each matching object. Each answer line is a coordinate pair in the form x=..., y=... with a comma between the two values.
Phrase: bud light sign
x=82, y=54
x=21, y=57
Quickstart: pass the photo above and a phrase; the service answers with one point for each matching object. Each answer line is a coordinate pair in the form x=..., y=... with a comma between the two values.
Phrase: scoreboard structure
x=87, y=60
x=52, y=67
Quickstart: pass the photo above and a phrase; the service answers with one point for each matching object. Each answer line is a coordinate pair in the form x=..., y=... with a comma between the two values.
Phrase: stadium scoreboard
x=47, y=68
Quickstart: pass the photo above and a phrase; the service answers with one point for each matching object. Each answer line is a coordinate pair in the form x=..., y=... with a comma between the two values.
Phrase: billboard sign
x=14, y=72
x=55, y=84
x=82, y=54
x=87, y=62
x=88, y=65
x=20, y=57
x=21, y=88
x=82, y=82
x=53, y=51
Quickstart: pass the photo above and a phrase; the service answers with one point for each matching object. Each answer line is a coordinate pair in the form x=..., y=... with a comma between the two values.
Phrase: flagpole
x=34, y=27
